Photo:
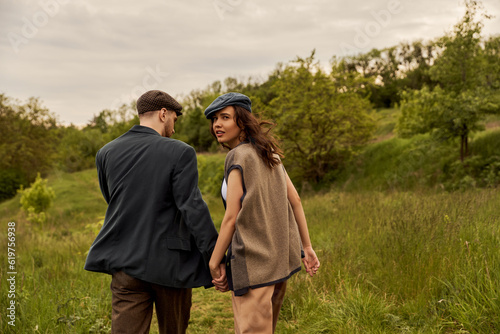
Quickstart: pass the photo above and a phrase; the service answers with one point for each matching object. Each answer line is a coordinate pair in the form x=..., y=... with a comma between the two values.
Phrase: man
x=157, y=236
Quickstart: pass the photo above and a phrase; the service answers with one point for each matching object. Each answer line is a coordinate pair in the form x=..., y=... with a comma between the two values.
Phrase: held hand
x=221, y=282
x=214, y=270
x=219, y=277
x=311, y=261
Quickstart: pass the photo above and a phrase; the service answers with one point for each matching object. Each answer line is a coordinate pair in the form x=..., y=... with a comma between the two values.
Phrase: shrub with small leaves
x=37, y=199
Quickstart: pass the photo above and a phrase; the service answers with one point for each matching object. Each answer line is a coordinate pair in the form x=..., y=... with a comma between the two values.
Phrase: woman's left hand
x=311, y=261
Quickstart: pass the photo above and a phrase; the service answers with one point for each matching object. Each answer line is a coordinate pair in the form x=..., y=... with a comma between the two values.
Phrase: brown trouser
x=132, y=302
x=257, y=311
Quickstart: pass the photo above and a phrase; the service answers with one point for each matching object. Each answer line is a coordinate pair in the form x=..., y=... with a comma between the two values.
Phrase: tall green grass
x=54, y=294
x=486, y=143
x=400, y=263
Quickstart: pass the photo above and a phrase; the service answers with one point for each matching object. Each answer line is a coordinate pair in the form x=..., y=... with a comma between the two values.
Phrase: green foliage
x=36, y=200
x=77, y=148
x=394, y=69
x=38, y=196
x=192, y=127
x=491, y=61
x=38, y=218
x=477, y=171
x=114, y=123
x=444, y=114
x=10, y=182
x=465, y=93
x=386, y=122
x=459, y=68
x=422, y=162
x=26, y=142
x=31, y=140
x=210, y=173
x=95, y=227
x=320, y=124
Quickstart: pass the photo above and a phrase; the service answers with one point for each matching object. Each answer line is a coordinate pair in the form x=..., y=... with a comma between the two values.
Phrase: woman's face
x=225, y=127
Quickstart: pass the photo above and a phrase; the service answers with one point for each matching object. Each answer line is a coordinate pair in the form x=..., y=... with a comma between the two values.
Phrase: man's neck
x=158, y=128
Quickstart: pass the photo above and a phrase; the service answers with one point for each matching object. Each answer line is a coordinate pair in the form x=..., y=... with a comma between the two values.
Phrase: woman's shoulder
x=242, y=151
x=241, y=155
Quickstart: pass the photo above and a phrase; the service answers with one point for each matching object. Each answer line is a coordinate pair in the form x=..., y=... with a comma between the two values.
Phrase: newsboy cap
x=228, y=99
x=155, y=100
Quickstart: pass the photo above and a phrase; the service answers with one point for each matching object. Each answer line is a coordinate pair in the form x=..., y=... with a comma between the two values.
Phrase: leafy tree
x=492, y=63
x=78, y=147
x=319, y=121
x=393, y=69
x=192, y=127
x=415, y=60
x=459, y=68
x=26, y=142
x=464, y=95
x=114, y=123
x=442, y=114
x=10, y=181
x=347, y=80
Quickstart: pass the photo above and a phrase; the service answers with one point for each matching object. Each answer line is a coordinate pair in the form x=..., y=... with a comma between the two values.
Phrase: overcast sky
x=82, y=56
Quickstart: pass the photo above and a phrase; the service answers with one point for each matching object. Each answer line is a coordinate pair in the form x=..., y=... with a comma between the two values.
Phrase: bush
x=476, y=171
x=36, y=199
x=10, y=181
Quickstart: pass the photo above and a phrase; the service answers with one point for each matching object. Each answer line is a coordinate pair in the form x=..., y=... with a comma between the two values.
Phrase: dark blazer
x=157, y=227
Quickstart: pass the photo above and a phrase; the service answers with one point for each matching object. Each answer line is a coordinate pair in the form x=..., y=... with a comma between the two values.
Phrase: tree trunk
x=466, y=145
x=462, y=148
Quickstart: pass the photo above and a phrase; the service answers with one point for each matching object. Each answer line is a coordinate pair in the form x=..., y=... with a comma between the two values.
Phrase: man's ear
x=162, y=113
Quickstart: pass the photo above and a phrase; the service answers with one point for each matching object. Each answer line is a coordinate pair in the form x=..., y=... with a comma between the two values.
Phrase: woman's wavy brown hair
x=258, y=133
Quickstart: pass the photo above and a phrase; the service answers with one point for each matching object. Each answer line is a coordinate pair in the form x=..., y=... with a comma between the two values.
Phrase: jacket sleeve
x=101, y=174
x=188, y=199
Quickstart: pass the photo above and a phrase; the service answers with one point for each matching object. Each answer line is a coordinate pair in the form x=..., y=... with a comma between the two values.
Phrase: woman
x=264, y=225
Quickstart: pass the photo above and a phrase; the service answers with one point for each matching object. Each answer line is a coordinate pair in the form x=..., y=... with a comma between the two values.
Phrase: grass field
x=392, y=262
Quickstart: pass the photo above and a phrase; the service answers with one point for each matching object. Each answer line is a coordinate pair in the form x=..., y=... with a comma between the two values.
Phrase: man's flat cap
x=228, y=99
x=155, y=100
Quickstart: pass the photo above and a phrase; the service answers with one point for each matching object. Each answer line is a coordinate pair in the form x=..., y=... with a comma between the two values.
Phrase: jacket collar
x=144, y=129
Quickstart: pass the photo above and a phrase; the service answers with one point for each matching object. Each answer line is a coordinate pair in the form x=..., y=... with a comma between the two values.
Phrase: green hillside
x=423, y=162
